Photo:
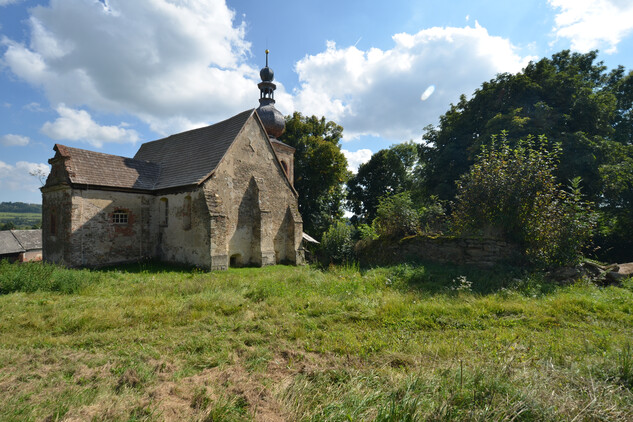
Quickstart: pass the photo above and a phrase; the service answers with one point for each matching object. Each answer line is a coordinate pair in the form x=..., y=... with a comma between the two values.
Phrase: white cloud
x=11, y=140
x=172, y=63
x=35, y=107
x=356, y=158
x=592, y=24
x=18, y=177
x=77, y=125
x=8, y=2
x=378, y=92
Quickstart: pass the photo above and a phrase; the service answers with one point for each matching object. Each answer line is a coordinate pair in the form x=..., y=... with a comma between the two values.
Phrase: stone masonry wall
x=464, y=251
x=56, y=225
x=254, y=212
x=95, y=240
x=185, y=237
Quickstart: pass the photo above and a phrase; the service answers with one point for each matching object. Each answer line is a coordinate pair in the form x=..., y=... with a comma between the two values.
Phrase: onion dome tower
x=272, y=119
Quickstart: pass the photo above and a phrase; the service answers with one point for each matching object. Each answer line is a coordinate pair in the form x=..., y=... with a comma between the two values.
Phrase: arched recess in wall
x=245, y=243
x=284, y=240
x=186, y=213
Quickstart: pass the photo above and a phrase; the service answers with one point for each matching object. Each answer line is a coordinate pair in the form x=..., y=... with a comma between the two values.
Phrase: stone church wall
x=252, y=218
x=97, y=240
x=185, y=237
x=56, y=227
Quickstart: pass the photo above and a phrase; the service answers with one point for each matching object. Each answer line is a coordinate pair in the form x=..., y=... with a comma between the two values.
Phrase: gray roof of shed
x=9, y=244
x=29, y=239
x=16, y=241
x=188, y=158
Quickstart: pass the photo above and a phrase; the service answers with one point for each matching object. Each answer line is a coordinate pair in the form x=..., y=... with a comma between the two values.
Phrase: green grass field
x=21, y=219
x=405, y=343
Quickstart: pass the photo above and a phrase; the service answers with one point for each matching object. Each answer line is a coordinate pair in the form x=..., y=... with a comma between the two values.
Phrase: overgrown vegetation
x=573, y=100
x=32, y=277
x=512, y=192
x=410, y=342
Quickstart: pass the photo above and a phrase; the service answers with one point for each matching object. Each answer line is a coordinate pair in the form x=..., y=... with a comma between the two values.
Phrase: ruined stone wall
x=465, y=251
x=97, y=240
x=253, y=209
x=185, y=237
x=56, y=224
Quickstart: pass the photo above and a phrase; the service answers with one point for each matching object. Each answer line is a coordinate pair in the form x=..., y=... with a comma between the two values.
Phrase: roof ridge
x=17, y=240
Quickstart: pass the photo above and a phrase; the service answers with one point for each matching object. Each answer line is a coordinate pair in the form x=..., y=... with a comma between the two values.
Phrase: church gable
x=252, y=153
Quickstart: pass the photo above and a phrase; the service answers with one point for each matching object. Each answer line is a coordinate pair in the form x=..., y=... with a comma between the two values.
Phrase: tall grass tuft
x=40, y=276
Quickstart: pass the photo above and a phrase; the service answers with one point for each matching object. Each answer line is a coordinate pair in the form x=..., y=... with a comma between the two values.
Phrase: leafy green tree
x=512, y=193
x=320, y=170
x=569, y=97
x=8, y=226
x=389, y=171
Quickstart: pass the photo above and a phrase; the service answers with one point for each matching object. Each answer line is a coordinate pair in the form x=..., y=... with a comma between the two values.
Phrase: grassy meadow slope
x=404, y=343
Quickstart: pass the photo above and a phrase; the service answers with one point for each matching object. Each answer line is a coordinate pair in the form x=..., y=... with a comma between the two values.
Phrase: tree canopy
x=569, y=98
x=389, y=171
x=320, y=169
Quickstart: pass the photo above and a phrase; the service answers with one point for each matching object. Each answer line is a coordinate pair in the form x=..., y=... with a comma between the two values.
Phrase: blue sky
x=110, y=75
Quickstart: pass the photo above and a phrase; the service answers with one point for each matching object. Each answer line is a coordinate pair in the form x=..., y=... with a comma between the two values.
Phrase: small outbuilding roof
x=309, y=238
x=29, y=239
x=9, y=244
x=17, y=241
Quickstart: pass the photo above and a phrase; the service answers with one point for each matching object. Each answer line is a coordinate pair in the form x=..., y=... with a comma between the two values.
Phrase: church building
x=214, y=197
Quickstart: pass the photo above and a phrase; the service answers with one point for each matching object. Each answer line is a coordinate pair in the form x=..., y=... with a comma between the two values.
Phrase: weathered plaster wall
x=254, y=216
x=56, y=224
x=96, y=240
x=185, y=238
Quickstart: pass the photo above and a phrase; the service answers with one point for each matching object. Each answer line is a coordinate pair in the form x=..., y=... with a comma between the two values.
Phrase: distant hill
x=20, y=207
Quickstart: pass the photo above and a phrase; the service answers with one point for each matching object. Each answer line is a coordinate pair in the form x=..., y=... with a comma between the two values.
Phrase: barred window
x=120, y=217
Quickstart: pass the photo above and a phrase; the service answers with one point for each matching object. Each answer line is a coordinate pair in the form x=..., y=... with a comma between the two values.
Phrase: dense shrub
x=433, y=217
x=513, y=193
x=396, y=216
x=337, y=244
x=39, y=276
